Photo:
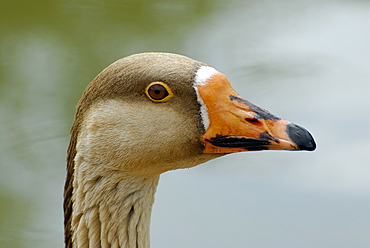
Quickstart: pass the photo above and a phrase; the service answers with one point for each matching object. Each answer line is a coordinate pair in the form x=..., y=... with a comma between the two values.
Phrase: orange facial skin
x=237, y=125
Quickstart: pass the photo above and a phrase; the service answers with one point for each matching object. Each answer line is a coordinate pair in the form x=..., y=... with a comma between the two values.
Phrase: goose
x=146, y=114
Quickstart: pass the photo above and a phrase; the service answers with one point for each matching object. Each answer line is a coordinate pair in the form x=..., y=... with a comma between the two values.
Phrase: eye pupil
x=157, y=92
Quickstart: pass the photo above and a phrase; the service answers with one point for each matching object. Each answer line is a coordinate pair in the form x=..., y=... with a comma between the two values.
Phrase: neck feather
x=115, y=158
x=111, y=209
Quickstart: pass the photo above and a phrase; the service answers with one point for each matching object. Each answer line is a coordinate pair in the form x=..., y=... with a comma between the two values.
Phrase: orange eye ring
x=158, y=92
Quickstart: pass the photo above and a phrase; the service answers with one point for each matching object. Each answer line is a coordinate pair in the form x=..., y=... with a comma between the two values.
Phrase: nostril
x=253, y=121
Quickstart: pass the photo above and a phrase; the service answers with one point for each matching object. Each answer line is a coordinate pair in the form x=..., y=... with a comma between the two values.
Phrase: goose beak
x=236, y=125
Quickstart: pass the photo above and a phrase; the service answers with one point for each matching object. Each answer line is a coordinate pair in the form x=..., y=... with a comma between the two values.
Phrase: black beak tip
x=301, y=137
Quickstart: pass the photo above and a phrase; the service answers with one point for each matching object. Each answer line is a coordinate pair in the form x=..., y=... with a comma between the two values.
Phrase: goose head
x=167, y=108
x=153, y=112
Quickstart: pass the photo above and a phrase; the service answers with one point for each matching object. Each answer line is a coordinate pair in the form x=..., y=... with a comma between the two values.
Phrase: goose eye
x=158, y=92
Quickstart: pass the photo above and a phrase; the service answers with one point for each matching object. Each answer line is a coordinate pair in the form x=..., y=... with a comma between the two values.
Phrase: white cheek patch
x=203, y=110
x=202, y=75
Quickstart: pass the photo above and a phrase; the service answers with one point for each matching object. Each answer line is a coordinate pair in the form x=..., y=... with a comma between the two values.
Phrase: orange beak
x=237, y=125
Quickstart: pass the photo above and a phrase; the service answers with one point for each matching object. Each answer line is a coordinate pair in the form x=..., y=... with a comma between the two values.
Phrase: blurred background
x=305, y=61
